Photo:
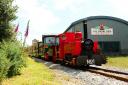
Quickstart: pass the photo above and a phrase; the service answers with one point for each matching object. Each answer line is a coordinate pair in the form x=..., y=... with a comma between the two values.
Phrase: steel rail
x=109, y=73
x=107, y=70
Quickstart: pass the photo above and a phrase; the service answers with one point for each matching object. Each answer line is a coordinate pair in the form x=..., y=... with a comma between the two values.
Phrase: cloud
x=119, y=8
x=62, y=4
x=41, y=18
x=93, y=7
x=53, y=16
x=67, y=4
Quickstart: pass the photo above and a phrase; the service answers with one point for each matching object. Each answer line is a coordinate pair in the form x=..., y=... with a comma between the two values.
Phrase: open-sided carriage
x=37, y=49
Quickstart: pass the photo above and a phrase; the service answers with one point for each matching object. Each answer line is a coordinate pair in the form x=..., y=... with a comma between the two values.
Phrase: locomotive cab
x=69, y=47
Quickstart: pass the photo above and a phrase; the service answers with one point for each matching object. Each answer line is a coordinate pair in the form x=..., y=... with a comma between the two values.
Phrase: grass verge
x=118, y=61
x=34, y=74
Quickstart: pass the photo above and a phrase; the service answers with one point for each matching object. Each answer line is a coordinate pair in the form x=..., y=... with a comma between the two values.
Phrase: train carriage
x=48, y=46
x=37, y=49
x=40, y=50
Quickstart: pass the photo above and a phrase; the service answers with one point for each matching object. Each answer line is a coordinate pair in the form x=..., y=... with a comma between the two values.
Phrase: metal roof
x=97, y=17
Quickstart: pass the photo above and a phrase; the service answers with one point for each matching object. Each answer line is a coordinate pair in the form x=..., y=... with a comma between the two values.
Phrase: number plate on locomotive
x=90, y=61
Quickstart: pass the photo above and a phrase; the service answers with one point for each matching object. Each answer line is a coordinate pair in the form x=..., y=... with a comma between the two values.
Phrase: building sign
x=101, y=30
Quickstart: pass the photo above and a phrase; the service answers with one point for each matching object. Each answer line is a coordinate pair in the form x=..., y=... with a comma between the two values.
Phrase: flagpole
x=24, y=42
x=16, y=29
x=26, y=33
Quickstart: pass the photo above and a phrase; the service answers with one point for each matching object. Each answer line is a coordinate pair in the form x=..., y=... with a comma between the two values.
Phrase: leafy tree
x=7, y=15
x=12, y=55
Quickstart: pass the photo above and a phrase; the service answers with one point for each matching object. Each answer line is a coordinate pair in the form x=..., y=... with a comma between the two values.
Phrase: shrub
x=14, y=54
x=4, y=65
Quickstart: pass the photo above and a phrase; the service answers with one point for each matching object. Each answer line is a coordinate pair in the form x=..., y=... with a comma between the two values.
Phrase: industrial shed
x=110, y=32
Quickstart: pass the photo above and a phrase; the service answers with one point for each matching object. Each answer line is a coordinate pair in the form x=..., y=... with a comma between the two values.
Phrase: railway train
x=49, y=43
x=69, y=48
x=36, y=50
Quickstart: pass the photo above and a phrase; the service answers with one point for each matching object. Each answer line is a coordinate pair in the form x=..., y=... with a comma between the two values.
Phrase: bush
x=13, y=56
x=4, y=65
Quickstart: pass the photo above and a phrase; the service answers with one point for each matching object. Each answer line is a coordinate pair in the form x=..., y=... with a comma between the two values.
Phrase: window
x=49, y=40
x=57, y=40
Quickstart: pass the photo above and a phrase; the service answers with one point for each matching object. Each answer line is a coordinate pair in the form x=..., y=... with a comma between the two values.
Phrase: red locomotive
x=69, y=48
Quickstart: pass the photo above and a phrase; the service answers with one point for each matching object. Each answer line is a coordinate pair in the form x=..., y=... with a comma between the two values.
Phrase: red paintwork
x=70, y=43
x=96, y=48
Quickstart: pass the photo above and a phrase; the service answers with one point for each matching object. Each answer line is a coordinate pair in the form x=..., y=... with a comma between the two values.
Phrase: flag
x=16, y=29
x=27, y=29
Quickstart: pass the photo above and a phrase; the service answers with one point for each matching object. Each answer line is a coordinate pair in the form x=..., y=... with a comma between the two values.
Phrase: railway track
x=109, y=73
x=105, y=72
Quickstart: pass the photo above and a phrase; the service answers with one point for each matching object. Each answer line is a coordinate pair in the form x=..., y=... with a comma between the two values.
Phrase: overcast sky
x=54, y=16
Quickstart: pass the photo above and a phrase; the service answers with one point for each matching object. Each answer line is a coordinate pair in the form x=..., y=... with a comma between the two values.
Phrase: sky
x=54, y=16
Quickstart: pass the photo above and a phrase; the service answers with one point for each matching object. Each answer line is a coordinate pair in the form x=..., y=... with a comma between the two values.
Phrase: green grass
x=34, y=74
x=118, y=61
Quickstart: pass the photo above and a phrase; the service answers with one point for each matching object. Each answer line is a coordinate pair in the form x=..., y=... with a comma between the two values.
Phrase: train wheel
x=81, y=61
x=98, y=60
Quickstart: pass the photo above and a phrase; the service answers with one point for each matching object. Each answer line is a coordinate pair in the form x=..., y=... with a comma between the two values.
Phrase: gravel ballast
x=70, y=76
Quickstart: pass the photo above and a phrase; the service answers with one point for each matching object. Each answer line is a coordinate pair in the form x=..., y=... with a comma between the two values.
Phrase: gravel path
x=70, y=76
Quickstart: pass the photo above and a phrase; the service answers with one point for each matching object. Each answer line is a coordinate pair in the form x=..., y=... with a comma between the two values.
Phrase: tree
x=12, y=56
x=7, y=15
